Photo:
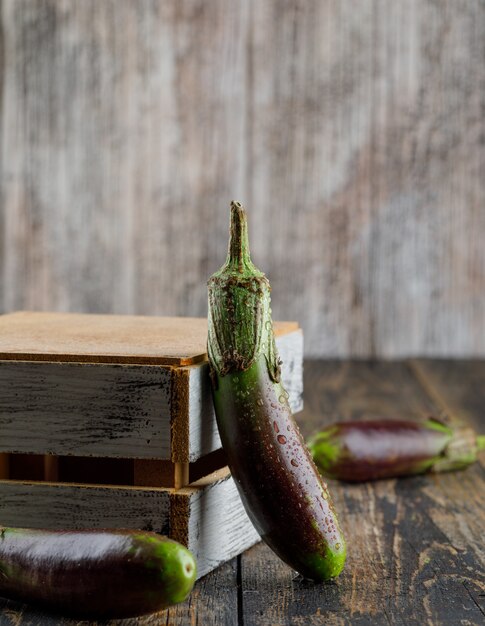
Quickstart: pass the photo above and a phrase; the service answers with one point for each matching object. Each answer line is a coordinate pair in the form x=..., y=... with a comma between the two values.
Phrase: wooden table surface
x=415, y=545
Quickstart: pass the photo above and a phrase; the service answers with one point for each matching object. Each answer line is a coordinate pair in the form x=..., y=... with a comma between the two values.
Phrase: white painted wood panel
x=218, y=527
x=56, y=505
x=85, y=409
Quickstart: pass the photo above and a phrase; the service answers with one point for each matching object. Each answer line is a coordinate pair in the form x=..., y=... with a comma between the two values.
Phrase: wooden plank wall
x=353, y=131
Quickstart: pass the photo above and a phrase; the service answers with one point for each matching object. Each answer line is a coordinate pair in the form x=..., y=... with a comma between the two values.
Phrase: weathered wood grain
x=85, y=409
x=213, y=601
x=82, y=338
x=118, y=410
x=208, y=517
x=362, y=125
x=458, y=387
x=415, y=545
x=352, y=130
x=55, y=505
x=125, y=130
x=346, y=390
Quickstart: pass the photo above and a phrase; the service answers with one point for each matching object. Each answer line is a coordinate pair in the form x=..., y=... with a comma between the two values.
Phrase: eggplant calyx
x=459, y=452
x=239, y=320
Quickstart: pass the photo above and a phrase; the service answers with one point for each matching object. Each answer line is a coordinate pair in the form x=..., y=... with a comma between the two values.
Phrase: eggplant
x=94, y=573
x=369, y=450
x=280, y=487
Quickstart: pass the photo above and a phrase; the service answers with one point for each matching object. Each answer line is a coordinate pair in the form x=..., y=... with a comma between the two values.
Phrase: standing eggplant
x=280, y=487
x=360, y=451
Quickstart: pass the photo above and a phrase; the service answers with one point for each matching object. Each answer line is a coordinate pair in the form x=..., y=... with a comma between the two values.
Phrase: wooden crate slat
x=290, y=348
x=88, y=338
x=85, y=409
x=54, y=505
x=217, y=527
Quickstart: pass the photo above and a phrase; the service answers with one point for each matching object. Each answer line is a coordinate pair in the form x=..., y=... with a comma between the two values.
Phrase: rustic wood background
x=353, y=130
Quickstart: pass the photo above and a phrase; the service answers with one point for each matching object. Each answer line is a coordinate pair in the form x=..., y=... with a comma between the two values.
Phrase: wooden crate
x=108, y=421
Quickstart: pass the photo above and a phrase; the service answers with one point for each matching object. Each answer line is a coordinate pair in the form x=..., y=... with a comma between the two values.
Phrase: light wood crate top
x=86, y=338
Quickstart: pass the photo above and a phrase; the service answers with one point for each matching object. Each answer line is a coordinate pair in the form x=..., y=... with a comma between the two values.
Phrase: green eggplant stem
x=239, y=320
x=238, y=255
x=280, y=487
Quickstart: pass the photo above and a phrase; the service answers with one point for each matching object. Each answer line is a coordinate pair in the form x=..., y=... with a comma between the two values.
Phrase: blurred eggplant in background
x=369, y=450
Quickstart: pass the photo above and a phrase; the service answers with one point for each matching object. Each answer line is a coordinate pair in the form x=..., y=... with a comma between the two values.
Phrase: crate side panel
x=290, y=348
x=41, y=505
x=204, y=437
x=218, y=526
x=85, y=409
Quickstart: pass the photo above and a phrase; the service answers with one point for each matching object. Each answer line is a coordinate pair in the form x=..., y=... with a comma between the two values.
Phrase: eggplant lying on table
x=94, y=573
x=361, y=451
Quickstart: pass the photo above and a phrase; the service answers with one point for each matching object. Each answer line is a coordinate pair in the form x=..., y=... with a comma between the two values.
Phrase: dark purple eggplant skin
x=94, y=573
x=283, y=494
x=280, y=487
x=370, y=450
